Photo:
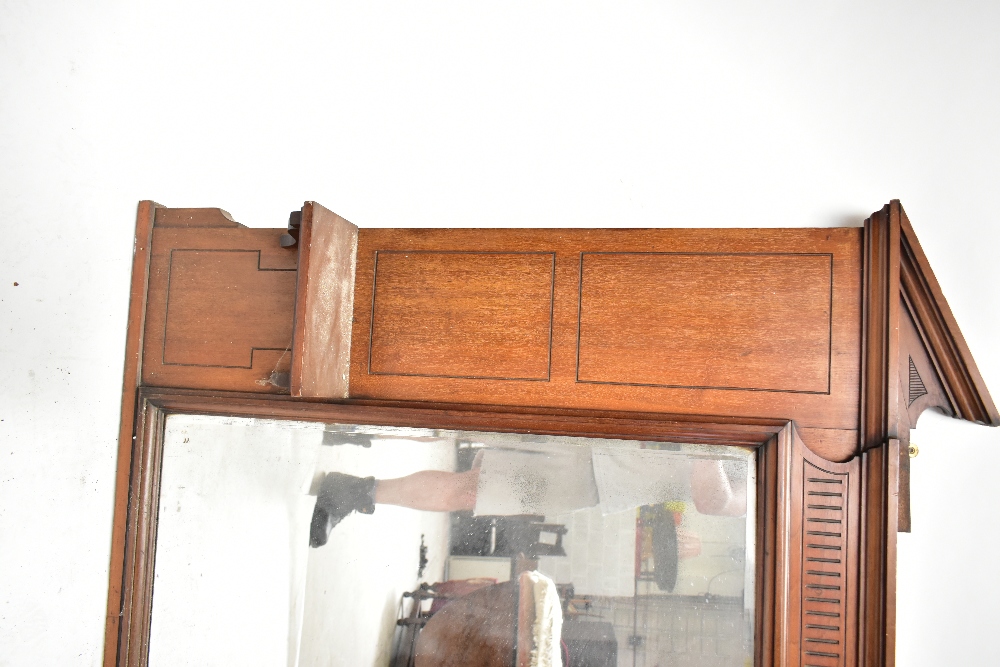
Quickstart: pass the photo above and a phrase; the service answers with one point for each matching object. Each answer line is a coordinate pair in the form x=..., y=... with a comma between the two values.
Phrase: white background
x=466, y=113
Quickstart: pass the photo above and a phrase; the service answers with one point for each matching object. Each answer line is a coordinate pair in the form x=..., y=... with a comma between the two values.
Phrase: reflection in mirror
x=286, y=543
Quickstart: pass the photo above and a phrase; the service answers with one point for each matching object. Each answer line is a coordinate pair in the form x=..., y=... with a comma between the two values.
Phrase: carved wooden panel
x=219, y=305
x=824, y=554
x=596, y=319
x=755, y=322
x=483, y=315
x=921, y=385
x=824, y=578
x=963, y=393
x=830, y=443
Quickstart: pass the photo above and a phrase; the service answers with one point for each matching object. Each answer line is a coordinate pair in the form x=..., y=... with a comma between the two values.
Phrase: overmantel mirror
x=430, y=447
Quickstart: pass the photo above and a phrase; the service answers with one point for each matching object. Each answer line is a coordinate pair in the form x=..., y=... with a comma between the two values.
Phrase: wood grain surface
x=877, y=585
x=144, y=219
x=593, y=333
x=967, y=395
x=880, y=381
x=194, y=217
x=754, y=322
x=324, y=304
x=474, y=315
x=821, y=326
x=215, y=316
x=219, y=304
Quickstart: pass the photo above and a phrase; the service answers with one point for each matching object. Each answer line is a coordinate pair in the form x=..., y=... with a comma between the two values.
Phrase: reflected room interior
x=572, y=551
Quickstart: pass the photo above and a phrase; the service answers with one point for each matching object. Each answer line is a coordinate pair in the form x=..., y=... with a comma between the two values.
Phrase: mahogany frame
x=904, y=317
x=774, y=441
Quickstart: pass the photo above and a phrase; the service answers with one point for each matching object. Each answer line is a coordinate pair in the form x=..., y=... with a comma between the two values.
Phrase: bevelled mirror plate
x=302, y=544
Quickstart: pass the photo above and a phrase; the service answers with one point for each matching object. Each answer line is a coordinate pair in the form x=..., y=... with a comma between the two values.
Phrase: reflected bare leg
x=430, y=490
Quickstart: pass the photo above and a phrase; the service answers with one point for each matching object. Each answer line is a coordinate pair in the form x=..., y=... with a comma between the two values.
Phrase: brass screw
x=913, y=450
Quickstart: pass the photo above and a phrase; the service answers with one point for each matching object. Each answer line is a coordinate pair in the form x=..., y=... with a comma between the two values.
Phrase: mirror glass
x=288, y=543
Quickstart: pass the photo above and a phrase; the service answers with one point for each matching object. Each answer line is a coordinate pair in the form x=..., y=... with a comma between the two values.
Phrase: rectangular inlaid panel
x=755, y=321
x=484, y=315
x=215, y=314
x=747, y=322
x=219, y=304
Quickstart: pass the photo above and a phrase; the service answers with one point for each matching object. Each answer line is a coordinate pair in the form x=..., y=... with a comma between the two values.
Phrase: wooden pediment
x=915, y=356
x=935, y=344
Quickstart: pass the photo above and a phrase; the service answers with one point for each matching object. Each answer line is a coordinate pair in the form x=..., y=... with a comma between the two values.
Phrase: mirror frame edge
x=775, y=441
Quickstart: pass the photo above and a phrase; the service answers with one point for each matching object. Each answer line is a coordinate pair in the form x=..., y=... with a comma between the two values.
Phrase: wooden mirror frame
x=910, y=353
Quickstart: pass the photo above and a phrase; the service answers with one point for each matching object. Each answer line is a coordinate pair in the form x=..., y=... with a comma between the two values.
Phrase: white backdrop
x=459, y=114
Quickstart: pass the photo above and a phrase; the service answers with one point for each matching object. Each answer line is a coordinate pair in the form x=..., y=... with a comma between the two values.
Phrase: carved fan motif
x=917, y=388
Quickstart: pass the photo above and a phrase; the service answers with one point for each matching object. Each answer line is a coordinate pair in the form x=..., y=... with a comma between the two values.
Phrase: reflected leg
x=430, y=490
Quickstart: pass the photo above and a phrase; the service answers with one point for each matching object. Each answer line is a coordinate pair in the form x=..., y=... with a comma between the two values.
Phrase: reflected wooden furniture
x=477, y=629
x=490, y=627
x=818, y=347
